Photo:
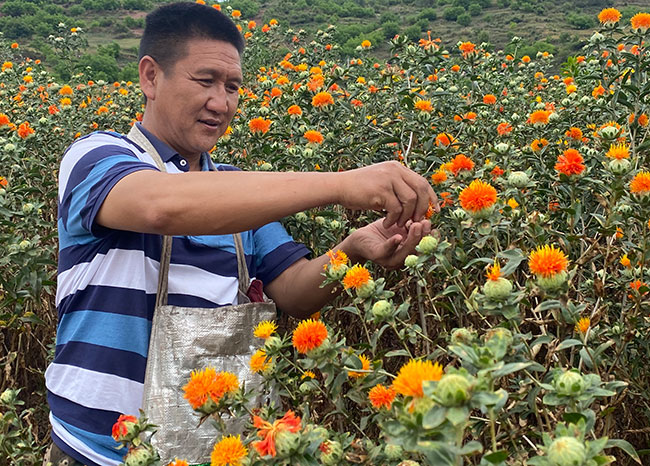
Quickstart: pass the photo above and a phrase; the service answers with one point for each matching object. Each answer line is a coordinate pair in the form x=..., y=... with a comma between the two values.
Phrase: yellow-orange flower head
x=265, y=329
x=547, y=261
x=259, y=125
x=381, y=397
x=229, y=451
x=640, y=21
x=365, y=365
x=583, y=325
x=410, y=377
x=309, y=335
x=640, y=184
x=322, y=99
x=356, y=277
x=313, y=136
x=570, y=163
x=423, y=105
x=618, y=151
x=259, y=362
x=478, y=196
x=539, y=117
x=609, y=15
x=208, y=384
x=494, y=272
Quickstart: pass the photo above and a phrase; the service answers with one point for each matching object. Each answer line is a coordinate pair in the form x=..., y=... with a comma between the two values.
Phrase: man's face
x=196, y=99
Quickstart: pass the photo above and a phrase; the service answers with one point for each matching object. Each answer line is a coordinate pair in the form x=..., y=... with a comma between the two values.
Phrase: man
x=114, y=205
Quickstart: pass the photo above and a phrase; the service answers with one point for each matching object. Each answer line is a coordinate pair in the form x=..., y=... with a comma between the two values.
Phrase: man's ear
x=149, y=71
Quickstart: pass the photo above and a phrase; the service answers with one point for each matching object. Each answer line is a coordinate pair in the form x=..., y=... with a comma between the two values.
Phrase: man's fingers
x=408, y=200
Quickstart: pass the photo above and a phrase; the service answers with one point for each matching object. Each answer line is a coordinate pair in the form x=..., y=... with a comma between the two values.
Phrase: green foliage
x=452, y=13
x=464, y=19
x=581, y=21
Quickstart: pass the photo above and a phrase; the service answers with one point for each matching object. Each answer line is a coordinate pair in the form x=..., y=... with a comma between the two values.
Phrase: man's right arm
x=224, y=202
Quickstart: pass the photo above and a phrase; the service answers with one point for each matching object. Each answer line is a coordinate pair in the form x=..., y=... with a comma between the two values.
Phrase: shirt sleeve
x=275, y=251
x=89, y=170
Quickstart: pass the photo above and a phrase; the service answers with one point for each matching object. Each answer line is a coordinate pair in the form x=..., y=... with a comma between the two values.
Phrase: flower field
x=517, y=334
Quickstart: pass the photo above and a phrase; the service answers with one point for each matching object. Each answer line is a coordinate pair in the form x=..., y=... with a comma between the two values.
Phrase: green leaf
x=434, y=417
x=457, y=415
x=574, y=418
x=400, y=352
x=510, y=368
x=496, y=457
x=625, y=446
x=568, y=344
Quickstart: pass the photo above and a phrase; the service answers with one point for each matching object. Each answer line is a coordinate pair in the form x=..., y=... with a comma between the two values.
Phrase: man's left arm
x=297, y=291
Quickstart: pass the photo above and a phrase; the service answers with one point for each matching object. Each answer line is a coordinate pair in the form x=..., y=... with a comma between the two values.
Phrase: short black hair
x=168, y=29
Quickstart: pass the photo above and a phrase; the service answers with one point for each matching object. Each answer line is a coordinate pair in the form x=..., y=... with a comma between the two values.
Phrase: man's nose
x=218, y=100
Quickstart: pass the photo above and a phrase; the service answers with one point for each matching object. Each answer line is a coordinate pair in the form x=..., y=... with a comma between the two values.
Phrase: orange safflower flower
x=570, y=163
x=273, y=22
x=53, y=110
x=497, y=171
x=322, y=99
x=477, y=196
x=25, y=130
x=101, y=110
x=6, y=65
x=444, y=139
x=309, y=335
x=294, y=110
x=625, y=261
x=65, y=101
x=267, y=431
x=467, y=48
x=366, y=44
x=547, y=261
x=643, y=120
x=178, y=462
x=636, y=286
x=583, y=325
x=251, y=25
x=598, y=91
x=381, y=397
x=489, y=99
x=259, y=124
x=28, y=78
x=356, y=277
x=525, y=59
x=265, y=329
x=337, y=259
x=538, y=144
x=207, y=384
x=313, y=136
x=259, y=362
x=640, y=21
x=365, y=365
x=423, y=105
x=229, y=451
x=504, y=128
x=494, y=272
x=640, y=184
x=236, y=13
x=574, y=133
x=411, y=375
x=459, y=163
x=609, y=15
x=66, y=90
x=439, y=177
x=4, y=120
x=539, y=117
x=122, y=425
x=512, y=203
x=14, y=45
x=455, y=68
x=3, y=182
x=618, y=151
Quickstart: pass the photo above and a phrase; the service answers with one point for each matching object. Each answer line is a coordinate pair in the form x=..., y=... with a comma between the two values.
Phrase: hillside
x=111, y=28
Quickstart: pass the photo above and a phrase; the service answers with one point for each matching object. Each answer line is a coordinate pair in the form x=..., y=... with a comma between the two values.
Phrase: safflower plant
x=516, y=333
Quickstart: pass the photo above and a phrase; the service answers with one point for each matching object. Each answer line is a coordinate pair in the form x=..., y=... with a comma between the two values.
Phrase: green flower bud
x=333, y=454
x=453, y=390
x=462, y=336
x=337, y=273
x=500, y=335
x=609, y=132
x=321, y=351
x=421, y=405
x=335, y=224
x=24, y=244
x=10, y=147
x=393, y=452
x=427, y=245
x=142, y=455
x=619, y=167
x=301, y=217
x=272, y=344
x=518, y=179
x=286, y=442
x=266, y=167
x=567, y=451
x=483, y=213
x=367, y=290
x=411, y=261
x=381, y=310
x=8, y=396
x=502, y=148
x=570, y=383
x=497, y=289
x=554, y=282
x=319, y=220
x=28, y=208
x=409, y=463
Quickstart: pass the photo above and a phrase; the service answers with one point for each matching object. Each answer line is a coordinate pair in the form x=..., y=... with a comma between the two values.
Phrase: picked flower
x=229, y=451
x=125, y=429
x=268, y=432
x=411, y=375
x=265, y=329
x=478, y=198
x=206, y=388
x=309, y=335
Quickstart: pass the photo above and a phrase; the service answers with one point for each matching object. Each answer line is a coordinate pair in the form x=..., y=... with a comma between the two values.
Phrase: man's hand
x=387, y=247
x=390, y=187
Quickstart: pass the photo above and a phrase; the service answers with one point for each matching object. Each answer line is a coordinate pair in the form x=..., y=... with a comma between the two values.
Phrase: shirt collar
x=164, y=151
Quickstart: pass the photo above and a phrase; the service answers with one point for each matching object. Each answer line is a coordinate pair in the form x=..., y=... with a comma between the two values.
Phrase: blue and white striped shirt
x=107, y=282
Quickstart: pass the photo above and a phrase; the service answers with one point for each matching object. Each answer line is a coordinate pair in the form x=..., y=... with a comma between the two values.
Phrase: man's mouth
x=211, y=123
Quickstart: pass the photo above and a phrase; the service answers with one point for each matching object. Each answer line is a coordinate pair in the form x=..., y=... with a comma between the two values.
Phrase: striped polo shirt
x=106, y=291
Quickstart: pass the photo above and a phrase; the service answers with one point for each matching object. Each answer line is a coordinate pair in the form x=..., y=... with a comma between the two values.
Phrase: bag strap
x=166, y=251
